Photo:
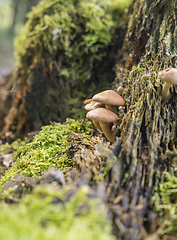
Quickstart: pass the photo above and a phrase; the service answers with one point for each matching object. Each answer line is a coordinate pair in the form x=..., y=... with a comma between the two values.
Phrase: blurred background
x=12, y=18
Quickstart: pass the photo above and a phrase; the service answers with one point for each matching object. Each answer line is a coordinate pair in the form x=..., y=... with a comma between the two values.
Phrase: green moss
x=36, y=217
x=78, y=30
x=165, y=201
x=48, y=149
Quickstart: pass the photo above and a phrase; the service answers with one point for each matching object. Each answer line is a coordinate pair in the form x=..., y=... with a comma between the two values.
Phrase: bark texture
x=148, y=129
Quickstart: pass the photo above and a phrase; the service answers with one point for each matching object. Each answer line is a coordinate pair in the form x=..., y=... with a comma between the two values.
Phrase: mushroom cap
x=109, y=97
x=169, y=75
x=120, y=90
x=102, y=115
x=93, y=105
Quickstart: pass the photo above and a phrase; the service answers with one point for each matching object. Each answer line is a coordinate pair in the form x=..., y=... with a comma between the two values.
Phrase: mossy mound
x=46, y=214
x=48, y=149
x=165, y=201
x=79, y=30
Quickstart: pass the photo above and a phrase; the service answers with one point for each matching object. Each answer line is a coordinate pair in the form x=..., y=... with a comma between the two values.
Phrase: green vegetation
x=48, y=149
x=80, y=31
x=165, y=201
x=36, y=217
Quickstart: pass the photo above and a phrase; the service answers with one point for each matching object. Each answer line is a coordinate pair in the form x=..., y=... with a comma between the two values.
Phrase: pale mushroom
x=93, y=105
x=120, y=90
x=104, y=117
x=169, y=76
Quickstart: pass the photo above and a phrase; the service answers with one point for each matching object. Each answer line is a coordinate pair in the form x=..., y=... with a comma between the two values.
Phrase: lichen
x=48, y=149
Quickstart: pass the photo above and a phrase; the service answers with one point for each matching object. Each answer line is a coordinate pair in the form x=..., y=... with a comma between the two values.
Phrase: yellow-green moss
x=48, y=149
x=165, y=201
x=79, y=31
x=36, y=217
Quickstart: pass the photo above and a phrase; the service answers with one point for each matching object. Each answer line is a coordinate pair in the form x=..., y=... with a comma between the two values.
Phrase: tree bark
x=148, y=129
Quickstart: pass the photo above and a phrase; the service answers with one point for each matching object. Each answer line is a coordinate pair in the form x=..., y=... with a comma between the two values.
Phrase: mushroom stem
x=110, y=107
x=166, y=90
x=107, y=131
x=96, y=124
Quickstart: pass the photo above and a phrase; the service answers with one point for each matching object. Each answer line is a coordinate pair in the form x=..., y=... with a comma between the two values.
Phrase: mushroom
x=91, y=105
x=169, y=76
x=120, y=90
x=109, y=98
x=104, y=117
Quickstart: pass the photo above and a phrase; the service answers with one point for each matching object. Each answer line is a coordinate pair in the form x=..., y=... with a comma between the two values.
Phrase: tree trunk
x=15, y=5
x=148, y=129
x=18, y=10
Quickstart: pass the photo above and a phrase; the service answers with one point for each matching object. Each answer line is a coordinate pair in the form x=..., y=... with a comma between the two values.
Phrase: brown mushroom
x=110, y=98
x=104, y=117
x=169, y=76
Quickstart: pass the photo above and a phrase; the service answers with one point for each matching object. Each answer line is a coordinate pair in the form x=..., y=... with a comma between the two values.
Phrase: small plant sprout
x=169, y=76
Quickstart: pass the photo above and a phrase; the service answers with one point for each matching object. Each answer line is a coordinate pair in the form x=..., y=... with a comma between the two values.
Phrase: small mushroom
x=169, y=76
x=120, y=90
x=91, y=105
x=104, y=117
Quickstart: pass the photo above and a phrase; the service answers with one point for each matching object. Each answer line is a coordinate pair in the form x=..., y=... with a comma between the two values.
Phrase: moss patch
x=37, y=217
x=165, y=201
x=48, y=149
x=79, y=30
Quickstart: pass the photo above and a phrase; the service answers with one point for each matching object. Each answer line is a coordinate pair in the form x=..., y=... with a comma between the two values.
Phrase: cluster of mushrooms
x=102, y=106
x=102, y=111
